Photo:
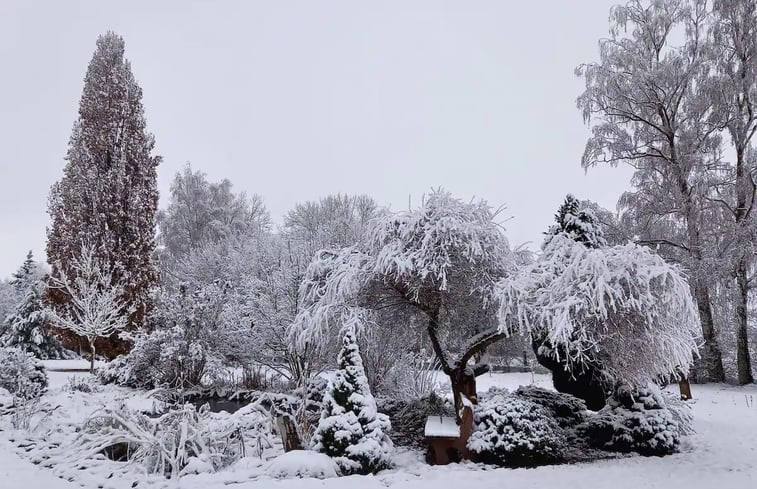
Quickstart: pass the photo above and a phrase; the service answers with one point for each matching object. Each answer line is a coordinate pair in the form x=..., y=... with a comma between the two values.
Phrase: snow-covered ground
x=722, y=454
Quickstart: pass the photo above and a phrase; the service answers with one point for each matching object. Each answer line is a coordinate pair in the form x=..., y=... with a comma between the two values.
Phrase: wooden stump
x=685, y=388
x=288, y=432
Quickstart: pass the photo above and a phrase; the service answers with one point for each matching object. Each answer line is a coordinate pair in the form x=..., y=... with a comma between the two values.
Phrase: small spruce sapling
x=351, y=430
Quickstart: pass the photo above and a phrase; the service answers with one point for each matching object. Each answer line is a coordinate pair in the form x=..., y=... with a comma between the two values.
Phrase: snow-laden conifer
x=351, y=430
x=26, y=327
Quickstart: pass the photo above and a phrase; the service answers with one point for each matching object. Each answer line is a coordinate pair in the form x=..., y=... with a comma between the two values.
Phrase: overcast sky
x=295, y=100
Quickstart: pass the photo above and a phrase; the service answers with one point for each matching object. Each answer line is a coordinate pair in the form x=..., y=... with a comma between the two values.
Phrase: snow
x=59, y=371
x=441, y=427
x=18, y=473
x=302, y=463
x=722, y=453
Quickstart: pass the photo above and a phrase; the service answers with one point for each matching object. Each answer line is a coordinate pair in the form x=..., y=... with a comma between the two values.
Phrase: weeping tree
x=619, y=312
x=439, y=262
x=578, y=223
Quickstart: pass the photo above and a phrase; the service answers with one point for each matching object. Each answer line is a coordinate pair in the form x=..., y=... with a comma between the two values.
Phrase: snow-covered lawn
x=722, y=454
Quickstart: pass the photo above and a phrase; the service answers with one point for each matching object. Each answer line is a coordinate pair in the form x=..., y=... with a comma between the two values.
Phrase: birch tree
x=734, y=31
x=647, y=109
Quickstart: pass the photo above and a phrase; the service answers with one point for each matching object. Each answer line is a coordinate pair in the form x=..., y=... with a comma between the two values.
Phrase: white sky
x=295, y=100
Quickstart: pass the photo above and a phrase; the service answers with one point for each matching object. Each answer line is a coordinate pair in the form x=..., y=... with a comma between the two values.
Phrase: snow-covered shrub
x=24, y=377
x=80, y=384
x=117, y=371
x=416, y=378
x=638, y=420
x=197, y=336
x=351, y=430
x=515, y=432
x=21, y=373
x=184, y=440
x=302, y=464
x=566, y=409
x=408, y=418
x=681, y=411
x=6, y=401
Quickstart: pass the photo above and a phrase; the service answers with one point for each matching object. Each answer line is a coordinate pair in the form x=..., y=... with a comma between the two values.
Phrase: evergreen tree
x=26, y=275
x=108, y=197
x=351, y=430
x=26, y=327
x=578, y=223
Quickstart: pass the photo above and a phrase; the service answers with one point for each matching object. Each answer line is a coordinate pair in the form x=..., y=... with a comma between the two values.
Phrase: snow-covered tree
x=265, y=269
x=335, y=221
x=98, y=308
x=621, y=308
x=108, y=194
x=8, y=301
x=351, y=430
x=201, y=213
x=734, y=53
x=26, y=327
x=580, y=224
x=648, y=108
x=438, y=263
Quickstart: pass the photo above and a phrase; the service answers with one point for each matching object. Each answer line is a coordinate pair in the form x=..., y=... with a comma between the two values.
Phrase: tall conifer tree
x=108, y=195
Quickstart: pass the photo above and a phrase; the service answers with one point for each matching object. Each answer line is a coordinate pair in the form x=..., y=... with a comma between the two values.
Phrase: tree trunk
x=463, y=384
x=743, y=360
x=711, y=356
x=92, y=356
x=288, y=432
x=712, y=359
x=685, y=388
x=743, y=190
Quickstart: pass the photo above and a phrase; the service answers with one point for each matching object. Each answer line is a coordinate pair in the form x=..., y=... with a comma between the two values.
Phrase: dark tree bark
x=585, y=384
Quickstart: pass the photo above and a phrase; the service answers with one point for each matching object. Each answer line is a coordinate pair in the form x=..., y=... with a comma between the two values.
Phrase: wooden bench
x=448, y=441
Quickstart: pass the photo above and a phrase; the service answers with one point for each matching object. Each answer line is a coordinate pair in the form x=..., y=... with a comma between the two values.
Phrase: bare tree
x=98, y=308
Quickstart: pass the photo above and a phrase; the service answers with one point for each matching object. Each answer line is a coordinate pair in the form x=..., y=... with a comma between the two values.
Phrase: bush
x=567, y=410
x=408, y=418
x=516, y=432
x=117, y=371
x=80, y=384
x=21, y=374
x=639, y=421
x=194, y=340
x=182, y=441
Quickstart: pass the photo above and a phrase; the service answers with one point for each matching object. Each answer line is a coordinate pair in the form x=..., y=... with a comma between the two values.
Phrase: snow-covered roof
x=441, y=427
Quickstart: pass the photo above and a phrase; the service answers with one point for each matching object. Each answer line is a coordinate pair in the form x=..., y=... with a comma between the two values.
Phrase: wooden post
x=685, y=388
x=288, y=432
